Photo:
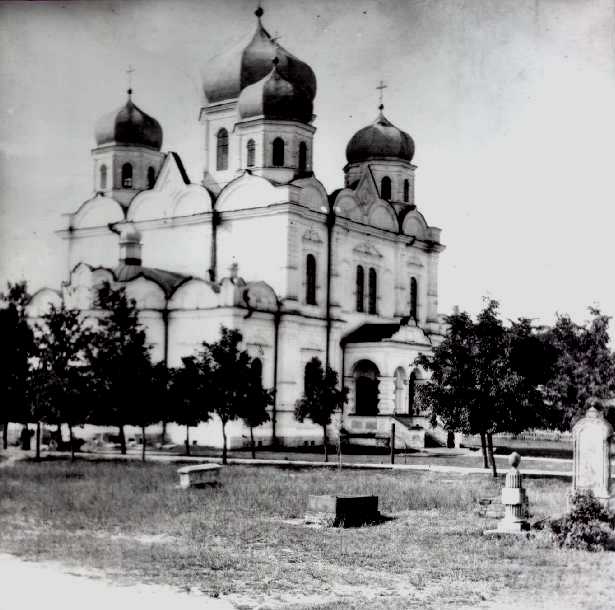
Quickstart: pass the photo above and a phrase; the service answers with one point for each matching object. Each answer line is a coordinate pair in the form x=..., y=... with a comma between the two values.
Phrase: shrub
x=587, y=526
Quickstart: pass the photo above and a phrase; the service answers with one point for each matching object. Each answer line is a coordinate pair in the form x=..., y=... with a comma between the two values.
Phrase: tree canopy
x=321, y=397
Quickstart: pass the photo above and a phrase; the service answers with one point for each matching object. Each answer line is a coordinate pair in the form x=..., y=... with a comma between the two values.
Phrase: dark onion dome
x=380, y=140
x=129, y=125
x=273, y=97
x=227, y=74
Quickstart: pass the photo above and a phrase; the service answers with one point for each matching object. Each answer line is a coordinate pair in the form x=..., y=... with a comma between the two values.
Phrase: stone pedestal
x=514, y=500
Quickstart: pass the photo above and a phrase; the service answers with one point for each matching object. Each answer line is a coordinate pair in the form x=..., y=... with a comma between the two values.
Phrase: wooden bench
x=198, y=476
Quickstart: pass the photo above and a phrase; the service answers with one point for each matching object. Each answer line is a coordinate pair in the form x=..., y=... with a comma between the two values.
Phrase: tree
x=253, y=410
x=321, y=397
x=18, y=345
x=230, y=375
x=60, y=378
x=190, y=385
x=482, y=382
x=584, y=367
x=120, y=361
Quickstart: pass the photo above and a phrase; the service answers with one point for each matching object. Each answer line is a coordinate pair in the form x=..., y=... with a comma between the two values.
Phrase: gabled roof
x=371, y=333
x=167, y=280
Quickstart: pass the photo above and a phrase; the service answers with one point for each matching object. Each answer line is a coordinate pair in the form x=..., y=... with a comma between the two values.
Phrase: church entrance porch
x=380, y=373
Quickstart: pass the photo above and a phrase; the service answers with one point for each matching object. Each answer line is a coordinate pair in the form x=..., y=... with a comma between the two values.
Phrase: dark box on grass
x=345, y=511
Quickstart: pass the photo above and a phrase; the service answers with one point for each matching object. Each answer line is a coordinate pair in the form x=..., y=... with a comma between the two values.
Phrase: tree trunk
x=5, y=435
x=224, y=460
x=483, y=446
x=491, y=458
x=252, y=443
x=143, y=441
x=163, y=436
x=72, y=442
x=187, y=439
x=38, y=441
x=324, y=438
x=122, y=440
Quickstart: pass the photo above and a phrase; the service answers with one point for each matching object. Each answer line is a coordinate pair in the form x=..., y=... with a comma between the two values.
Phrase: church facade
x=259, y=245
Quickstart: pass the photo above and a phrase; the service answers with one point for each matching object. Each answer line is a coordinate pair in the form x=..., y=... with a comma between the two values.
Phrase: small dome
x=129, y=125
x=227, y=74
x=380, y=140
x=273, y=97
x=130, y=234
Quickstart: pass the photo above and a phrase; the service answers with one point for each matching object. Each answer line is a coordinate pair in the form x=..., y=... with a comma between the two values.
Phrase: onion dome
x=380, y=140
x=129, y=125
x=274, y=97
x=250, y=61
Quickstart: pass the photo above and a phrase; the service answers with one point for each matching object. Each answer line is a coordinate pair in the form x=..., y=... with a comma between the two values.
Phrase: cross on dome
x=381, y=87
x=129, y=73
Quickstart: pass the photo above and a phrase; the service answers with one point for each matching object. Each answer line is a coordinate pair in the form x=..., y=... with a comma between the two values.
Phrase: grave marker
x=592, y=448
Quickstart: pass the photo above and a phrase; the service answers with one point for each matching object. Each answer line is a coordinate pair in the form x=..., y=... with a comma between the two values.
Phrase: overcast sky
x=511, y=104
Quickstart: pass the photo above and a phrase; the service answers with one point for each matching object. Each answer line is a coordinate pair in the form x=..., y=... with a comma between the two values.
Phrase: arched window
x=302, y=156
x=411, y=392
x=385, y=188
x=414, y=297
x=278, y=152
x=151, y=177
x=310, y=279
x=257, y=368
x=222, y=150
x=127, y=176
x=373, y=291
x=251, y=149
x=406, y=190
x=360, y=288
x=103, y=177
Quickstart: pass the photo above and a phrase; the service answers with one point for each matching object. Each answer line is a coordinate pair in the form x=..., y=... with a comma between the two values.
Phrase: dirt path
x=30, y=586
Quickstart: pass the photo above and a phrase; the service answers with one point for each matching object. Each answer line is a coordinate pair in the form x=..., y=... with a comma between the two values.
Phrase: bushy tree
x=253, y=410
x=17, y=346
x=220, y=378
x=120, y=361
x=481, y=383
x=321, y=397
x=60, y=379
x=190, y=396
x=584, y=367
x=231, y=388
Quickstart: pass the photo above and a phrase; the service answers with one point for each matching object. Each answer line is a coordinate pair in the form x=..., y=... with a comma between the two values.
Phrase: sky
x=510, y=103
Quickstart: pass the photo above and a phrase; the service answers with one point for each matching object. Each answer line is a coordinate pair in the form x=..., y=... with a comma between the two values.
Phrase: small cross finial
x=259, y=11
x=381, y=88
x=129, y=72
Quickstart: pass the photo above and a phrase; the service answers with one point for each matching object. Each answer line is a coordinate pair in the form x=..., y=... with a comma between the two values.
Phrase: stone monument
x=591, y=455
x=514, y=500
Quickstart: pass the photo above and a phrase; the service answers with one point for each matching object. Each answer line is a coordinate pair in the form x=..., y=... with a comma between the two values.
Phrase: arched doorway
x=366, y=387
x=400, y=375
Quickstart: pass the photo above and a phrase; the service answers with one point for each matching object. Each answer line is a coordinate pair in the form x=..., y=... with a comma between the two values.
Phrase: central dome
x=273, y=97
x=248, y=62
x=380, y=140
x=129, y=125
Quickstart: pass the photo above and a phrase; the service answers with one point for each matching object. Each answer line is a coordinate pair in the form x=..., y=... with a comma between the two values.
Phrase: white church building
x=259, y=245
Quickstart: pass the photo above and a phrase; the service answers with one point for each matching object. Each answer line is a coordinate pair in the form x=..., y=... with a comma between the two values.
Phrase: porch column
x=386, y=395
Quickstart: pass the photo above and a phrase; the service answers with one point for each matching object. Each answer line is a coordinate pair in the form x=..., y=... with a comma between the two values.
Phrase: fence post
x=392, y=443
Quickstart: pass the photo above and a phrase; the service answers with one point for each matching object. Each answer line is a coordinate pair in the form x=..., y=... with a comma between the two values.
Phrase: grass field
x=245, y=539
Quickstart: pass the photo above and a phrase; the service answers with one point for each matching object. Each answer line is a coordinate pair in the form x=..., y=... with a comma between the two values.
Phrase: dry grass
x=241, y=540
